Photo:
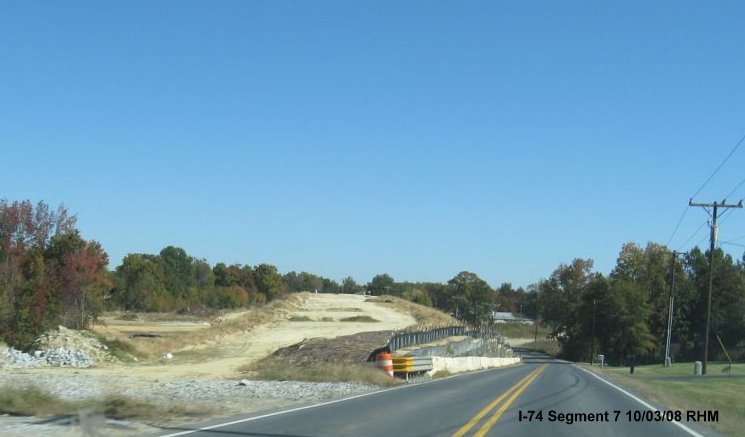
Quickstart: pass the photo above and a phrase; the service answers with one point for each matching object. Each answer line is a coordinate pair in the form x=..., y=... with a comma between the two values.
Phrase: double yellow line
x=516, y=390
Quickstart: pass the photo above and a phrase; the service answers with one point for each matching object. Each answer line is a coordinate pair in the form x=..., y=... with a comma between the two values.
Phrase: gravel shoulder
x=203, y=376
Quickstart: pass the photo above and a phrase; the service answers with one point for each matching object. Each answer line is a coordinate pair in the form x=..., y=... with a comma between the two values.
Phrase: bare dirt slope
x=306, y=316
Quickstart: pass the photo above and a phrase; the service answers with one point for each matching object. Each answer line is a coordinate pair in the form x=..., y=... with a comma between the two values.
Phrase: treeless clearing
x=218, y=350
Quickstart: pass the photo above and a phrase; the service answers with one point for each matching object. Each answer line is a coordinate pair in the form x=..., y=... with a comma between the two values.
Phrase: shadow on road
x=535, y=356
x=173, y=430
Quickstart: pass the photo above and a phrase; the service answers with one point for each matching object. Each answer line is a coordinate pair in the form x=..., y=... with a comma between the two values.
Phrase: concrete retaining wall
x=466, y=364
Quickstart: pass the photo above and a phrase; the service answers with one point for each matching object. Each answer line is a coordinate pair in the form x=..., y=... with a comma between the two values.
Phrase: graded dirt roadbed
x=311, y=316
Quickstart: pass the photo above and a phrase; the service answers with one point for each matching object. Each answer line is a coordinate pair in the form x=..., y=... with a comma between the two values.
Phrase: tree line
x=50, y=275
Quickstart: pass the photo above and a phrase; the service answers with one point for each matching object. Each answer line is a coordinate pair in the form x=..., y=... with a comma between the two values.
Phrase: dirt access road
x=307, y=316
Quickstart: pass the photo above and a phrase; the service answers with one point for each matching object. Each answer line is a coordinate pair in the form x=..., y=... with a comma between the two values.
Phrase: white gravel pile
x=61, y=347
x=57, y=357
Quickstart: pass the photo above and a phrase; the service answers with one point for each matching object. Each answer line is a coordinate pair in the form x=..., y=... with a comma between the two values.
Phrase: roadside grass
x=677, y=389
x=521, y=330
x=548, y=347
x=424, y=315
x=32, y=401
x=274, y=369
x=366, y=319
x=300, y=319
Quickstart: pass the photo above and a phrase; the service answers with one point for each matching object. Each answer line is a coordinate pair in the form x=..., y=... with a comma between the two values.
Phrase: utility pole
x=592, y=340
x=713, y=241
x=671, y=307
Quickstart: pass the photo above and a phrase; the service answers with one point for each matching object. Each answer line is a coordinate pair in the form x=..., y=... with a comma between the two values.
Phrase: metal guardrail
x=403, y=339
x=408, y=365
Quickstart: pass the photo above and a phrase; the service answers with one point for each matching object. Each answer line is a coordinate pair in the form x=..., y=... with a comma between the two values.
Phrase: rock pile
x=59, y=348
x=58, y=357
x=70, y=339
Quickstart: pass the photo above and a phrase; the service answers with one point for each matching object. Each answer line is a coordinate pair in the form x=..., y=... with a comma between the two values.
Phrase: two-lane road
x=543, y=396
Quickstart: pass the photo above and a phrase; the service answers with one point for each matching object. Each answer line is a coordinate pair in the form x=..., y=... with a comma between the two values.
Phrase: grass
x=366, y=319
x=32, y=401
x=171, y=316
x=424, y=315
x=123, y=350
x=548, y=347
x=521, y=330
x=300, y=319
x=676, y=388
x=273, y=369
x=154, y=348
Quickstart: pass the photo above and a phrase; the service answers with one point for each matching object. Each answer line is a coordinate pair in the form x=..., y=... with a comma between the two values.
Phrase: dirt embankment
x=303, y=317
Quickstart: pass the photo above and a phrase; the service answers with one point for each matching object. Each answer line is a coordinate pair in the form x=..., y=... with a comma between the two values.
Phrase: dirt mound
x=347, y=349
x=70, y=339
x=424, y=315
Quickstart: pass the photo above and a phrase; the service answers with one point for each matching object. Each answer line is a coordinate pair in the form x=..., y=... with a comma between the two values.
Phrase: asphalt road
x=481, y=403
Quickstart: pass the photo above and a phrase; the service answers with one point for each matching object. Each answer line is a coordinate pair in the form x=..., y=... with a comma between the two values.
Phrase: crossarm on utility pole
x=712, y=245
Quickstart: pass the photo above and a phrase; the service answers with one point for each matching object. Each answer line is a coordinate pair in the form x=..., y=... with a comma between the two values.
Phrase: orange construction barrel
x=384, y=361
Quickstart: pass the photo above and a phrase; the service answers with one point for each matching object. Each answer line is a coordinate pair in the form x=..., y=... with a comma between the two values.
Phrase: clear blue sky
x=354, y=138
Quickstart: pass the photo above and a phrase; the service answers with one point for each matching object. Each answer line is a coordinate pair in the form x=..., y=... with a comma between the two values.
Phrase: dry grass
x=160, y=316
x=123, y=350
x=424, y=315
x=32, y=401
x=441, y=374
x=173, y=341
x=345, y=310
x=365, y=319
x=273, y=369
x=676, y=388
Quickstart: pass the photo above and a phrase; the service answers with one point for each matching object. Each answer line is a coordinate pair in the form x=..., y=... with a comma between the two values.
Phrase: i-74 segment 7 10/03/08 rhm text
x=618, y=416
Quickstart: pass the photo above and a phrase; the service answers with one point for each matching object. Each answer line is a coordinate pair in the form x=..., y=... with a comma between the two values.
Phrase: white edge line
x=277, y=413
x=641, y=401
x=307, y=407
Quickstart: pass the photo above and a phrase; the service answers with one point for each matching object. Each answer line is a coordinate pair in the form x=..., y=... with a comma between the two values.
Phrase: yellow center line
x=487, y=426
x=471, y=423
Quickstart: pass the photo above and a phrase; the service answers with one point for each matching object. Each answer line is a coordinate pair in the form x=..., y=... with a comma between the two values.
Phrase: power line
x=735, y=190
x=736, y=238
x=732, y=244
x=694, y=234
x=734, y=149
x=706, y=182
x=677, y=226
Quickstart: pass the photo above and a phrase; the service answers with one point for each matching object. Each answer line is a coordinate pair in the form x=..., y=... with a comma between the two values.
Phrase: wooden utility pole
x=713, y=241
x=668, y=360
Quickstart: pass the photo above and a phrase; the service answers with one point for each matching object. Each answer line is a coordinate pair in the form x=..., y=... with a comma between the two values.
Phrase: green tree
x=624, y=311
x=269, y=281
x=561, y=295
x=350, y=286
x=650, y=269
x=176, y=265
x=381, y=284
x=140, y=285
x=472, y=298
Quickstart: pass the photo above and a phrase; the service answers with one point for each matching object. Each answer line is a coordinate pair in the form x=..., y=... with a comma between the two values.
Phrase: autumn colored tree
x=49, y=275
